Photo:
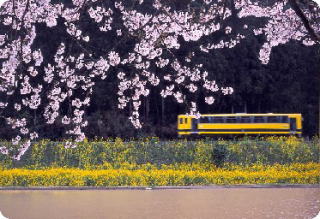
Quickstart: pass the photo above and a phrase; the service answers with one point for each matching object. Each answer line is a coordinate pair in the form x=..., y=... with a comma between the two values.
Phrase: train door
x=194, y=125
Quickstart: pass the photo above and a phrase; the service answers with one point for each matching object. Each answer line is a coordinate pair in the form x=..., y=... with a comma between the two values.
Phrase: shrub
x=220, y=154
x=92, y=154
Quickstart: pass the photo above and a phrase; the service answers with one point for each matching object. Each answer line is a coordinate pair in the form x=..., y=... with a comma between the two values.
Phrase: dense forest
x=289, y=83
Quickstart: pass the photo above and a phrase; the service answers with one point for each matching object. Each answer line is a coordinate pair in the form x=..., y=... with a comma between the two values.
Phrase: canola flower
x=174, y=175
x=151, y=162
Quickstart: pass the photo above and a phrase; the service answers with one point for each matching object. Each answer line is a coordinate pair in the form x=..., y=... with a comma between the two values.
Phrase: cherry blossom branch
x=315, y=36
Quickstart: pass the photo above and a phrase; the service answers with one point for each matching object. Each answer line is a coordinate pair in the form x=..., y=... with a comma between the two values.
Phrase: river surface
x=218, y=203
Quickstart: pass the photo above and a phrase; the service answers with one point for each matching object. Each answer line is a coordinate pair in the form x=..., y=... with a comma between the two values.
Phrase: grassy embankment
x=151, y=162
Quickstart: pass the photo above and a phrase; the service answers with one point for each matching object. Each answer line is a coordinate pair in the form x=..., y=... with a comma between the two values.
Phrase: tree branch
x=294, y=4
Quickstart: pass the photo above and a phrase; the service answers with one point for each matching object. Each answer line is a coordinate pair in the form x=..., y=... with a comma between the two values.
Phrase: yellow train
x=240, y=124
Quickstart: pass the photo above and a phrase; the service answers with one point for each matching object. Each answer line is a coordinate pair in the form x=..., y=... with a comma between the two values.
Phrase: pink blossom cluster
x=283, y=25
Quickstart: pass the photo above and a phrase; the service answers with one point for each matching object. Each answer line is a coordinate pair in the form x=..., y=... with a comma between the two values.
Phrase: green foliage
x=220, y=154
x=109, y=153
x=37, y=153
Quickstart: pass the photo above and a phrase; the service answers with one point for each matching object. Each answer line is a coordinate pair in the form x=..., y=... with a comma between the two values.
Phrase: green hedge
x=244, y=151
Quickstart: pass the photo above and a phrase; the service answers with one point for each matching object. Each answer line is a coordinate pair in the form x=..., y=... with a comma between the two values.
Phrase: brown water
x=199, y=203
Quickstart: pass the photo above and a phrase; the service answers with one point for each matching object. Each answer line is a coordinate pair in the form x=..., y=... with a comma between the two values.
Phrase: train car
x=240, y=124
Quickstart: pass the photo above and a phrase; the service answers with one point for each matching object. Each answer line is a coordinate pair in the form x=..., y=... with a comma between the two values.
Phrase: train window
x=231, y=120
x=218, y=120
x=209, y=119
x=181, y=120
x=272, y=119
x=284, y=119
x=186, y=120
x=245, y=119
x=204, y=119
x=259, y=119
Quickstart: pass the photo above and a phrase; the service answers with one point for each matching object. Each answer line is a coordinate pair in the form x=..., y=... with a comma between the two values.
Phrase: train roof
x=245, y=114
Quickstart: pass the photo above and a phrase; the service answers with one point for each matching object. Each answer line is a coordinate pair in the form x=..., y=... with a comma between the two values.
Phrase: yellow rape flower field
x=152, y=162
x=167, y=175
